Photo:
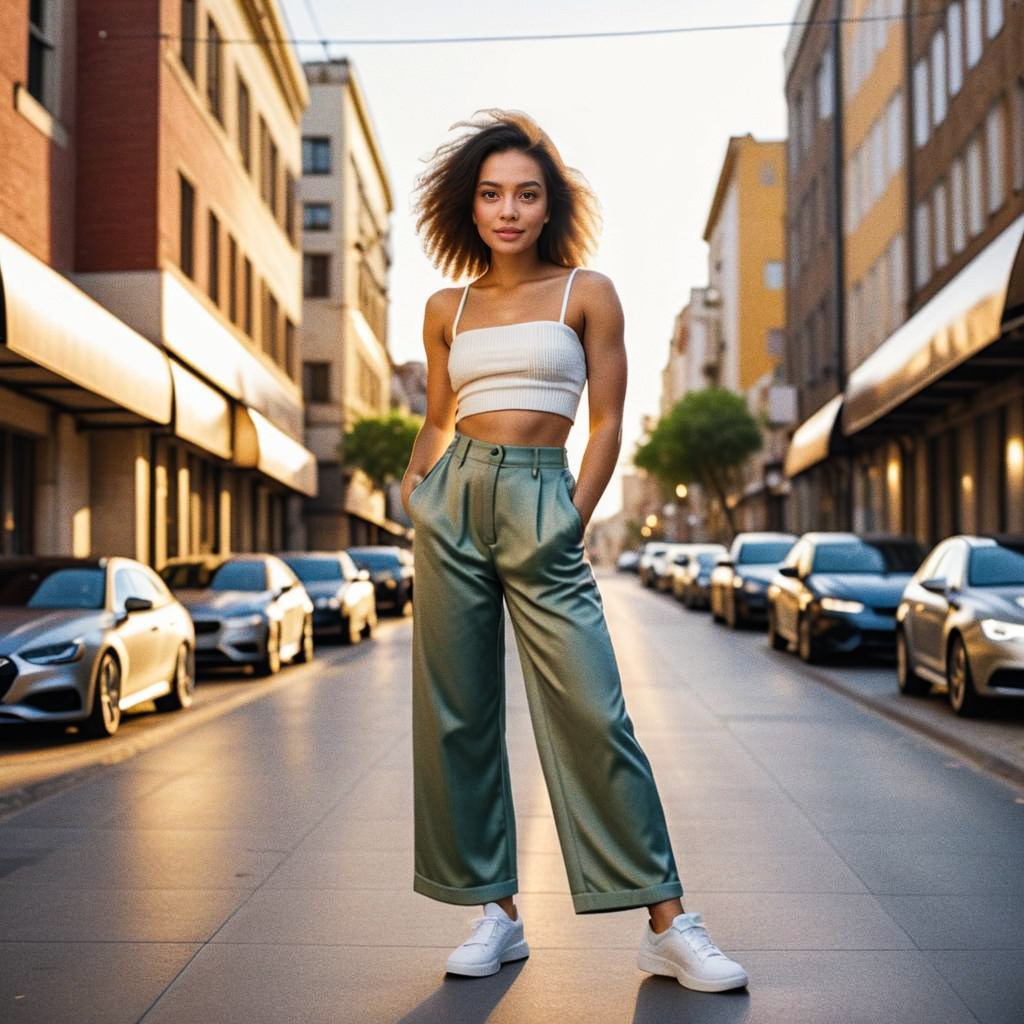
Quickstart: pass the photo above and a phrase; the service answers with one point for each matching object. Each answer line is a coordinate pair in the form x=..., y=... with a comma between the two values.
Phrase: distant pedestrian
x=500, y=520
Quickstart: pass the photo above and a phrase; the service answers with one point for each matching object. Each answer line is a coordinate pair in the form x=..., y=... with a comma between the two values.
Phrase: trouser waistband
x=466, y=447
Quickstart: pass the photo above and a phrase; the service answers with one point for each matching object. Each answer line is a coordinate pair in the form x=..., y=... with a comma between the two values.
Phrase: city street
x=257, y=867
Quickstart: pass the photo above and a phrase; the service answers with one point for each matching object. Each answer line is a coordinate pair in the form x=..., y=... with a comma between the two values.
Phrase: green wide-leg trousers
x=496, y=522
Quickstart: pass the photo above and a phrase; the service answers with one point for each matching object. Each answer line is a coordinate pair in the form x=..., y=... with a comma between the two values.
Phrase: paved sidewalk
x=258, y=868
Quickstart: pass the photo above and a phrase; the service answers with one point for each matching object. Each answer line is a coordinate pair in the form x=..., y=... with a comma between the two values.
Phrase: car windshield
x=39, y=586
x=763, y=552
x=236, y=575
x=315, y=570
x=863, y=557
x=707, y=559
x=998, y=566
x=374, y=559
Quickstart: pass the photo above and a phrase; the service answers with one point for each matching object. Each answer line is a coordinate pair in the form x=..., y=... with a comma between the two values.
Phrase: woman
x=499, y=518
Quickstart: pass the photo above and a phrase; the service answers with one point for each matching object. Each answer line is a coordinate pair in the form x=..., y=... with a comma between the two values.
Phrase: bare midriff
x=516, y=426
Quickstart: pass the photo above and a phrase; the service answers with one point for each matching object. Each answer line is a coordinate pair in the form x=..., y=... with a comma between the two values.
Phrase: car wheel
x=715, y=616
x=368, y=626
x=731, y=618
x=963, y=698
x=105, y=717
x=806, y=647
x=909, y=682
x=778, y=643
x=271, y=663
x=305, y=655
x=349, y=633
x=183, y=690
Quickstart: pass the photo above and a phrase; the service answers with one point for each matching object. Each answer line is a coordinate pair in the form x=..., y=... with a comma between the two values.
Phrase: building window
x=939, y=77
x=954, y=28
x=269, y=327
x=995, y=129
x=186, y=226
x=1018, y=139
x=894, y=133
x=272, y=175
x=958, y=201
x=921, y=124
x=774, y=275
x=188, y=37
x=879, y=177
x=232, y=279
x=247, y=296
x=973, y=9
x=939, y=217
x=922, y=245
x=897, y=280
x=316, y=217
x=214, y=62
x=975, y=204
x=316, y=271
x=994, y=16
x=17, y=493
x=825, y=86
x=316, y=382
x=767, y=176
x=316, y=154
x=213, y=276
x=244, y=124
x=289, y=347
x=289, y=206
x=41, y=70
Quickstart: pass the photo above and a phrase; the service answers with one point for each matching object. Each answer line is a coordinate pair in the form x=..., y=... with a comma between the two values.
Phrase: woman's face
x=510, y=207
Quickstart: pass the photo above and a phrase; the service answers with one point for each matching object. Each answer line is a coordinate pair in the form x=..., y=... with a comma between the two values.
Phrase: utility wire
x=537, y=37
x=316, y=27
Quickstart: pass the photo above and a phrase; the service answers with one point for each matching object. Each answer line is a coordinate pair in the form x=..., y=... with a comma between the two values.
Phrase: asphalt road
x=257, y=866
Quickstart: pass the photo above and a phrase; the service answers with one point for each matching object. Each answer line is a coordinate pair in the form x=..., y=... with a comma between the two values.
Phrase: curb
x=1007, y=769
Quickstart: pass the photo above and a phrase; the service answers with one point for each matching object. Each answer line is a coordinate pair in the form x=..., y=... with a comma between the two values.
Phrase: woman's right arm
x=439, y=422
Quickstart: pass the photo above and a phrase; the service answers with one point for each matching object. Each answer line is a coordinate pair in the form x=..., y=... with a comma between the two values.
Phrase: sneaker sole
x=655, y=964
x=517, y=952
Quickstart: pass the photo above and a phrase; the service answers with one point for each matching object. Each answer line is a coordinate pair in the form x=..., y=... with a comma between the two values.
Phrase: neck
x=509, y=270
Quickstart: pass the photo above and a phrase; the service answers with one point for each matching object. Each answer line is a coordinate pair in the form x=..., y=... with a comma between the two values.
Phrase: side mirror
x=789, y=570
x=724, y=563
x=137, y=604
x=363, y=574
x=284, y=588
x=935, y=585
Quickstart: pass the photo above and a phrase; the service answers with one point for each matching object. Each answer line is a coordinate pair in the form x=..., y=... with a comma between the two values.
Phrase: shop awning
x=260, y=445
x=960, y=322
x=815, y=439
x=62, y=347
x=201, y=414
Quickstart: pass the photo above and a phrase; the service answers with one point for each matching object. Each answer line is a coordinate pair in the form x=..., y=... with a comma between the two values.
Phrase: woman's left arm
x=605, y=347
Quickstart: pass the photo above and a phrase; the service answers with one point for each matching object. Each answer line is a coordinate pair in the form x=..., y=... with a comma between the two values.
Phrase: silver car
x=960, y=622
x=84, y=639
x=247, y=610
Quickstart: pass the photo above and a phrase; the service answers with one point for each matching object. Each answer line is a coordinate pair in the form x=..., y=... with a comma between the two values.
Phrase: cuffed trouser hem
x=477, y=894
x=601, y=902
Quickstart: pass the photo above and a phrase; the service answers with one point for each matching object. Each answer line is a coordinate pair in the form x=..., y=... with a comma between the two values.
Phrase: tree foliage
x=380, y=446
x=705, y=438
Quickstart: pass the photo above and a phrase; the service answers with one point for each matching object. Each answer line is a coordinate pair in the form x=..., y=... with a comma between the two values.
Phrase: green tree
x=380, y=446
x=705, y=438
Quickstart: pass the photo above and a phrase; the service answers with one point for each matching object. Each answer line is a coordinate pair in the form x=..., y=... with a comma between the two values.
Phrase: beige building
x=347, y=370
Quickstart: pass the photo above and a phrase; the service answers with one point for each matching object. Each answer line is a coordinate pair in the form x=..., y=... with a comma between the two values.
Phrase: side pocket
x=570, y=486
x=429, y=474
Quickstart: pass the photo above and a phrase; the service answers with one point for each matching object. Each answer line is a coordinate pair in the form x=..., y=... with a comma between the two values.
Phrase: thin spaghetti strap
x=462, y=302
x=565, y=300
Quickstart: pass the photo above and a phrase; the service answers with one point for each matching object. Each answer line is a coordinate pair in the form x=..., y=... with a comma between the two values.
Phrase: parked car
x=960, y=622
x=738, y=588
x=247, y=609
x=392, y=572
x=692, y=579
x=651, y=550
x=838, y=592
x=342, y=594
x=663, y=564
x=628, y=561
x=84, y=639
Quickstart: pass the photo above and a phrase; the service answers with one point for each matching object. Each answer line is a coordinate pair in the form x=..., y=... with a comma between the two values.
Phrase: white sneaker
x=684, y=951
x=496, y=939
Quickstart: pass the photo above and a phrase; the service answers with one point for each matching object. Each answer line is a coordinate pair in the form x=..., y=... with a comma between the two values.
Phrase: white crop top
x=539, y=364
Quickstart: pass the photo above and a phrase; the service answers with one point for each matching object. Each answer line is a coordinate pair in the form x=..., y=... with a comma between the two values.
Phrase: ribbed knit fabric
x=539, y=365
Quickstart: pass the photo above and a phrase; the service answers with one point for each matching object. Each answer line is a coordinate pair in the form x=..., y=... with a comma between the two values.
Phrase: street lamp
x=681, y=490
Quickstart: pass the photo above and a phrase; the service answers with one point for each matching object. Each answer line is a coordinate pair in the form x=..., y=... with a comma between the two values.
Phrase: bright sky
x=646, y=119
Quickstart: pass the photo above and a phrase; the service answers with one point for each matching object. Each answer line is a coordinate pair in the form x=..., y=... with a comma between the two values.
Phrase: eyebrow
x=521, y=184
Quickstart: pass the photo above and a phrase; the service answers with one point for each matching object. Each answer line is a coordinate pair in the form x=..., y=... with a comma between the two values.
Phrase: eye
x=532, y=195
x=488, y=192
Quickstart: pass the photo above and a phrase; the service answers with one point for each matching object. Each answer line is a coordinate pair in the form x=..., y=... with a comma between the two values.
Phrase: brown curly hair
x=446, y=189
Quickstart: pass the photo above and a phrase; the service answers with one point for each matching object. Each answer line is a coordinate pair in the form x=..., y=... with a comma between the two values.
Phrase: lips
x=508, y=234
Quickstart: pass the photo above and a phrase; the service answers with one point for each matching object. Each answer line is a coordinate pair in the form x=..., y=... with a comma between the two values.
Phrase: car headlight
x=751, y=587
x=56, y=654
x=996, y=629
x=391, y=583
x=737, y=582
x=328, y=602
x=837, y=604
x=251, y=619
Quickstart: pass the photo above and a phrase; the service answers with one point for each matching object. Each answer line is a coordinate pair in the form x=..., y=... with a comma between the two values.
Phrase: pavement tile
x=960, y=922
x=85, y=982
x=989, y=981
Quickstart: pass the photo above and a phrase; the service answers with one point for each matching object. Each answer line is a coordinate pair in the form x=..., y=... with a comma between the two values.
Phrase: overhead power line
x=534, y=37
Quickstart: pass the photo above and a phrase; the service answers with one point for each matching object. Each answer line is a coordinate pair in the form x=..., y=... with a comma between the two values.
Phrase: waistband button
x=494, y=451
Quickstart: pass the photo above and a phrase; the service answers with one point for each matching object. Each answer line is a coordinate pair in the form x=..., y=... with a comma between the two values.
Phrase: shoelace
x=695, y=933
x=479, y=936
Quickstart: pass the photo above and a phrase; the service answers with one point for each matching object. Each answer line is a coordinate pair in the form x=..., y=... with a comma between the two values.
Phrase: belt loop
x=536, y=460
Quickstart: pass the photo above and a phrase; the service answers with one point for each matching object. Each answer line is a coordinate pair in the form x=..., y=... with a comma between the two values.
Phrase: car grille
x=1008, y=678
x=8, y=673
x=207, y=626
x=885, y=609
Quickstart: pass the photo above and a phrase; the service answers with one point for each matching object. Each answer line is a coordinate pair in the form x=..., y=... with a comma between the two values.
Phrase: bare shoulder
x=440, y=310
x=598, y=295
